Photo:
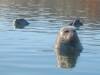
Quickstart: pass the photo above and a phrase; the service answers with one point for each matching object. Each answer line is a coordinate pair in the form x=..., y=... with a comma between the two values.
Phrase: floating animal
x=76, y=23
x=20, y=23
x=67, y=47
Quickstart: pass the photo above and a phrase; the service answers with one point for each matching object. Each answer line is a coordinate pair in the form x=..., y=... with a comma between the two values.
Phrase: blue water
x=30, y=51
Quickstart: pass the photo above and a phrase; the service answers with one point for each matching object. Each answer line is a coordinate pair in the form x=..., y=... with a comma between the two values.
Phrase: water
x=30, y=51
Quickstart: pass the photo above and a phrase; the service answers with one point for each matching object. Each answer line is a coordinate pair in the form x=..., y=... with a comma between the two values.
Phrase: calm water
x=30, y=51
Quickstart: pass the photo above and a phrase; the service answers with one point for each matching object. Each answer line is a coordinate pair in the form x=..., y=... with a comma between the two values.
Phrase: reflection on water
x=62, y=9
x=67, y=61
x=30, y=51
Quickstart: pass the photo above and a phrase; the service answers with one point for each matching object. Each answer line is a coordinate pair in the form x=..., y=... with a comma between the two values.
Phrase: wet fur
x=67, y=46
x=70, y=43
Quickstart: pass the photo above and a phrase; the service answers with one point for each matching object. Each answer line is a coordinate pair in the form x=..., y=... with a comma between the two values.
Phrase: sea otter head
x=68, y=34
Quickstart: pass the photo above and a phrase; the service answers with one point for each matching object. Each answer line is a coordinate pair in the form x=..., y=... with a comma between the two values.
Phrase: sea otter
x=20, y=23
x=67, y=46
x=77, y=23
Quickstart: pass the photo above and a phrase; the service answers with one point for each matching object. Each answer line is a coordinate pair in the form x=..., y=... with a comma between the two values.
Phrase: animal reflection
x=20, y=23
x=67, y=47
x=67, y=61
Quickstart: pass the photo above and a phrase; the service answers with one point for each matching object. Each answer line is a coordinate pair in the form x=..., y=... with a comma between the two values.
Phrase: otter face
x=68, y=33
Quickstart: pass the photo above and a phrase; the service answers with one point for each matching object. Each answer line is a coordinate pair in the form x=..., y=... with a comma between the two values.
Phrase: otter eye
x=66, y=31
x=74, y=31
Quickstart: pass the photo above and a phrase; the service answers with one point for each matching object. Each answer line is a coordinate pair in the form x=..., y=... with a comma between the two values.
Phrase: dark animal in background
x=76, y=23
x=67, y=47
x=20, y=23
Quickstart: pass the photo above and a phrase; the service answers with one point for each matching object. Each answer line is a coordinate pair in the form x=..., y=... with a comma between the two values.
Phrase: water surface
x=30, y=51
